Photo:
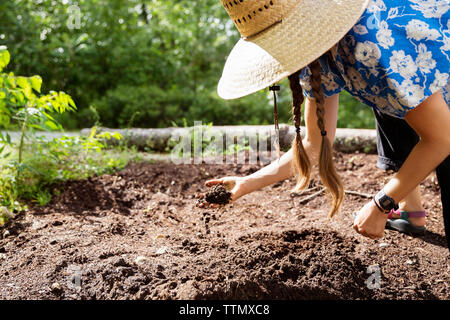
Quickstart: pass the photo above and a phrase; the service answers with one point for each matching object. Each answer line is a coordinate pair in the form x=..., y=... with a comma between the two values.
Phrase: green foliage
x=22, y=104
x=149, y=62
x=60, y=159
x=354, y=114
x=32, y=164
x=154, y=106
x=4, y=59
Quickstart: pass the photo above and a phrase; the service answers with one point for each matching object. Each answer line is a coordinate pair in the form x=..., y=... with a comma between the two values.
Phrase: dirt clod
x=218, y=195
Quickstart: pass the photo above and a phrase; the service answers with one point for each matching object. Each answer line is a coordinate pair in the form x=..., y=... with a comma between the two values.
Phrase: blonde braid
x=327, y=170
x=301, y=164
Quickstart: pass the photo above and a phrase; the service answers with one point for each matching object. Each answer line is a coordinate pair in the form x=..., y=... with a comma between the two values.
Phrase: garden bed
x=138, y=234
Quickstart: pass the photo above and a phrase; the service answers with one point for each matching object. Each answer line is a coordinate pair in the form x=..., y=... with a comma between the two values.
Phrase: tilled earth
x=138, y=234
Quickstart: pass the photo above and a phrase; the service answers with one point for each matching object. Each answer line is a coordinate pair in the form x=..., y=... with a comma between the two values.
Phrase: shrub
x=30, y=164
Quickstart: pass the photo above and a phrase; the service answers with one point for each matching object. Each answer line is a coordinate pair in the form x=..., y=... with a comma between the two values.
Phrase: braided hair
x=301, y=163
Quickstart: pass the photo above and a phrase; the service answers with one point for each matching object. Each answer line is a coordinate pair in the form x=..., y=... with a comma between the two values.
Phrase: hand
x=370, y=221
x=235, y=185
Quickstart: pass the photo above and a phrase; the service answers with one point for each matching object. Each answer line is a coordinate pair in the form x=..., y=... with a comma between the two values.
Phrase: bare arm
x=281, y=169
x=431, y=120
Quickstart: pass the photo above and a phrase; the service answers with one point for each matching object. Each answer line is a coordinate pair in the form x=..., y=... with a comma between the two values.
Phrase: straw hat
x=279, y=37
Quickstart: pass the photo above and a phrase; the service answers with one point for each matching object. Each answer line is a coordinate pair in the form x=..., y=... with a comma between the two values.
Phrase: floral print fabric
x=396, y=56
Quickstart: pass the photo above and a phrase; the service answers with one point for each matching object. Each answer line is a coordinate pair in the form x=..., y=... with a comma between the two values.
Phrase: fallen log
x=162, y=140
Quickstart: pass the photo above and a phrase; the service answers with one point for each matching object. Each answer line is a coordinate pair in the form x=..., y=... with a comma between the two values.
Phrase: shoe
x=403, y=225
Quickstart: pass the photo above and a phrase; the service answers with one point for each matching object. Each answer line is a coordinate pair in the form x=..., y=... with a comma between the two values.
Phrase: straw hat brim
x=310, y=30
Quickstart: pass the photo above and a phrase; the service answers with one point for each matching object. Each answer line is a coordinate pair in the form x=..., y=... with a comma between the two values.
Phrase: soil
x=138, y=234
x=218, y=195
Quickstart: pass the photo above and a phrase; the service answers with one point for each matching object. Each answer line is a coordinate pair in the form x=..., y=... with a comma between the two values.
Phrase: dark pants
x=396, y=139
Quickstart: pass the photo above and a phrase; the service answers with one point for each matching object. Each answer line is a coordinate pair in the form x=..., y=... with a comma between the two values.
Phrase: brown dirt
x=218, y=195
x=138, y=234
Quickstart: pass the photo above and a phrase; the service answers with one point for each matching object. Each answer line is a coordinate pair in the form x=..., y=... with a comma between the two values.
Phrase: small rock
x=2, y=256
x=269, y=211
x=162, y=250
x=410, y=262
x=141, y=260
x=6, y=233
x=383, y=245
x=36, y=225
x=53, y=242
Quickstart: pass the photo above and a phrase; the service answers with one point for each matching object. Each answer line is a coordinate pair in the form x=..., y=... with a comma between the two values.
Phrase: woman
x=393, y=56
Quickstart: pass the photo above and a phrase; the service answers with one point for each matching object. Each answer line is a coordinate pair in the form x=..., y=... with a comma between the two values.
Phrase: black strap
x=275, y=88
x=381, y=209
x=275, y=115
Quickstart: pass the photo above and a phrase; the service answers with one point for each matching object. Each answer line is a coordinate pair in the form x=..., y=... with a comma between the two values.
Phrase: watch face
x=385, y=202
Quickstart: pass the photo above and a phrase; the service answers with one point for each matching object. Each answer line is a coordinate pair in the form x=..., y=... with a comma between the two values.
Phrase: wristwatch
x=384, y=202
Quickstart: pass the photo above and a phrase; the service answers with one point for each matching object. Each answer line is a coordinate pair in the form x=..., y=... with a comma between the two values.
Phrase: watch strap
x=380, y=208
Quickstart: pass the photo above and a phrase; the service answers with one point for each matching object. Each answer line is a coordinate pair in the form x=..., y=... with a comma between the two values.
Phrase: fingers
x=228, y=183
x=202, y=203
x=206, y=204
x=362, y=232
x=213, y=182
x=199, y=196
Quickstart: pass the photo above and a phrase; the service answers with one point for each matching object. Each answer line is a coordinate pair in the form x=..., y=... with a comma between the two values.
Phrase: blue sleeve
x=331, y=83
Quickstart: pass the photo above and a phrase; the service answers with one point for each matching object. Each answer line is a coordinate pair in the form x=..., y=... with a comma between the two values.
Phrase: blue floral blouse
x=396, y=56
